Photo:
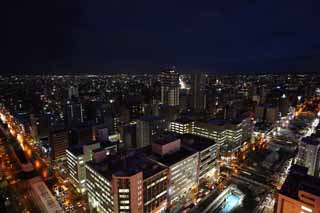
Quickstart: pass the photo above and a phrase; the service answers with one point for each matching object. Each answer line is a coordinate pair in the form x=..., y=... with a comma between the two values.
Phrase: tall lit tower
x=198, y=96
x=170, y=87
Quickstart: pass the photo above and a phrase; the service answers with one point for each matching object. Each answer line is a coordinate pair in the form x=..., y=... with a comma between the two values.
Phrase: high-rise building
x=148, y=128
x=170, y=87
x=207, y=148
x=127, y=183
x=73, y=114
x=227, y=134
x=182, y=126
x=73, y=92
x=59, y=142
x=198, y=96
x=309, y=155
x=77, y=156
x=182, y=164
x=300, y=192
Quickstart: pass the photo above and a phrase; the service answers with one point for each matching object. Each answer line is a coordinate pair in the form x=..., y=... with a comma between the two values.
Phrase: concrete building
x=73, y=113
x=300, y=192
x=42, y=196
x=127, y=183
x=148, y=128
x=59, y=142
x=198, y=96
x=182, y=164
x=182, y=126
x=309, y=155
x=79, y=155
x=208, y=152
x=227, y=135
x=170, y=87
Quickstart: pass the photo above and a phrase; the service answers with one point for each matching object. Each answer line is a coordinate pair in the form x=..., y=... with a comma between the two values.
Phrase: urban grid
x=124, y=106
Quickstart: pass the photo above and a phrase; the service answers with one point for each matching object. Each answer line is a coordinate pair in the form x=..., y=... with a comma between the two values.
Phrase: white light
x=306, y=209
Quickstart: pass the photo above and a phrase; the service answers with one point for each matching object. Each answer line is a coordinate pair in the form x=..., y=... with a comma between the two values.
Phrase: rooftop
x=172, y=158
x=126, y=164
x=167, y=138
x=299, y=180
x=195, y=142
x=151, y=118
x=76, y=150
x=310, y=140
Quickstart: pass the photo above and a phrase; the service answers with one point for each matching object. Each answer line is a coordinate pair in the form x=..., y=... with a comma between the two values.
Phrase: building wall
x=286, y=204
x=207, y=160
x=99, y=190
x=155, y=190
x=128, y=193
x=59, y=143
x=183, y=176
x=309, y=156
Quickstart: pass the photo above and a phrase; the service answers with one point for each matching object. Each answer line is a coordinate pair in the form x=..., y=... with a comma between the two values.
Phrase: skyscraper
x=198, y=96
x=73, y=114
x=170, y=87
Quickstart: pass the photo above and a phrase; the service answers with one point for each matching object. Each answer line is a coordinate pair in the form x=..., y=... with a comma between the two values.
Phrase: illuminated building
x=182, y=164
x=309, y=155
x=228, y=135
x=42, y=196
x=127, y=183
x=181, y=126
x=169, y=80
x=198, y=96
x=208, y=152
x=300, y=192
x=78, y=156
x=59, y=142
x=147, y=128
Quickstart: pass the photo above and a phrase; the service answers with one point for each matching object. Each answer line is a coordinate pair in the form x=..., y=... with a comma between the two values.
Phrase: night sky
x=109, y=36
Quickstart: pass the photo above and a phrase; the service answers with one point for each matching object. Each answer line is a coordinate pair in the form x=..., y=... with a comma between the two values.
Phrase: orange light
x=45, y=173
x=37, y=164
x=29, y=152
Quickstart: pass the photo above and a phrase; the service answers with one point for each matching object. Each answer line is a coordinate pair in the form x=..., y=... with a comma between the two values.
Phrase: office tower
x=182, y=164
x=73, y=114
x=182, y=126
x=58, y=140
x=77, y=156
x=198, y=96
x=227, y=134
x=309, y=155
x=170, y=87
x=300, y=192
x=127, y=183
x=148, y=128
x=208, y=152
x=73, y=92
